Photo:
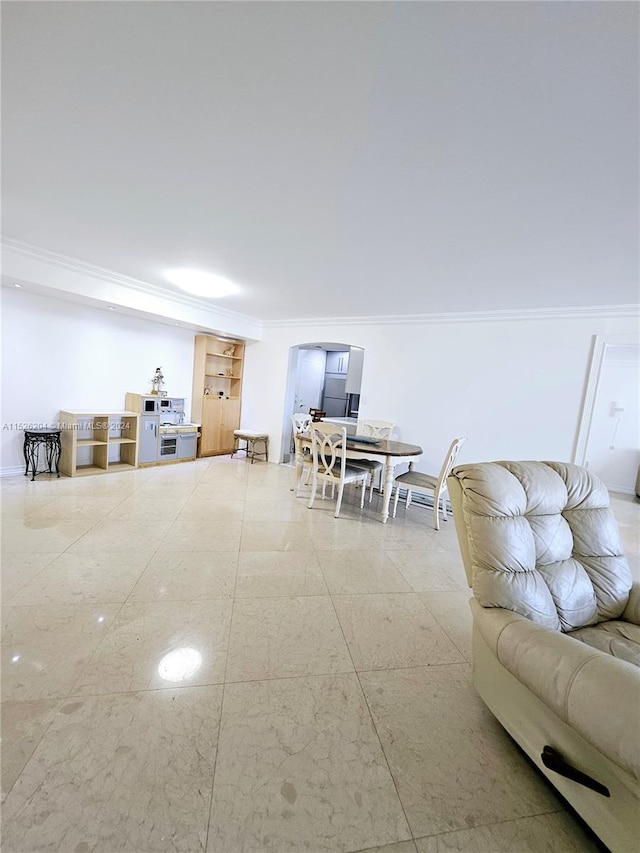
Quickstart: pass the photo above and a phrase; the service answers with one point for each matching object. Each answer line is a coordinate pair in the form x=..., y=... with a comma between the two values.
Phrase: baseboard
x=12, y=472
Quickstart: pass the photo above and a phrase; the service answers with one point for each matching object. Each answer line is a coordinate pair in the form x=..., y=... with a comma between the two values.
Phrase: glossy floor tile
x=152, y=645
x=285, y=637
x=265, y=574
x=98, y=577
x=312, y=775
x=551, y=833
x=431, y=717
x=392, y=630
x=46, y=647
x=187, y=575
x=119, y=773
x=142, y=609
x=348, y=573
x=19, y=567
x=23, y=726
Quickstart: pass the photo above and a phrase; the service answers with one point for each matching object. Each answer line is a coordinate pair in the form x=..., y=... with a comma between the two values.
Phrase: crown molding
x=511, y=315
x=74, y=265
x=26, y=250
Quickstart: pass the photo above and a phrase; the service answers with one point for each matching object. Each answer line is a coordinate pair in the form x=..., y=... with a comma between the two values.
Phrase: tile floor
x=194, y=661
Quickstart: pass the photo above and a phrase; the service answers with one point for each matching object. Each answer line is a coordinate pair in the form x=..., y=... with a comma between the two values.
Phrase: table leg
x=388, y=488
x=32, y=456
x=297, y=470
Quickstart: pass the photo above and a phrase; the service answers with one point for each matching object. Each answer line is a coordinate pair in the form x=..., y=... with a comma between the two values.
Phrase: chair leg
x=371, y=476
x=338, y=504
x=363, y=491
x=314, y=488
x=395, y=501
x=445, y=515
x=436, y=509
x=407, y=502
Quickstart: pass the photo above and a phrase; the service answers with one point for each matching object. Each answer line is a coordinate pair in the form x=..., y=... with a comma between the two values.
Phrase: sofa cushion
x=543, y=542
x=617, y=638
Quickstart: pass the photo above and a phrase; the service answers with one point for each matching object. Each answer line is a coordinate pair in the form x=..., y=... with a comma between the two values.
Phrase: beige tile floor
x=194, y=661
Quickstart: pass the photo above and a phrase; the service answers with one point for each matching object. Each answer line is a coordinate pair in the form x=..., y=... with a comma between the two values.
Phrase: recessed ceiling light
x=111, y=308
x=17, y=285
x=200, y=283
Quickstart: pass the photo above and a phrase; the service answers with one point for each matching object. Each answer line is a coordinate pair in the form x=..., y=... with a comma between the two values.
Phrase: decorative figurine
x=229, y=372
x=230, y=351
x=207, y=390
x=157, y=381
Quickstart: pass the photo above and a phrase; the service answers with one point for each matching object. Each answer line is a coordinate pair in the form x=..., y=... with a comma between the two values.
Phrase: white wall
x=514, y=387
x=59, y=355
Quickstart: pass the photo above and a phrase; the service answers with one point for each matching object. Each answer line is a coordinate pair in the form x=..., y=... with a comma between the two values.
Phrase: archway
x=324, y=375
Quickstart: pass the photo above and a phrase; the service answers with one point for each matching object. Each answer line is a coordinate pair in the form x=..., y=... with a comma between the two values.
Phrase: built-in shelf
x=217, y=392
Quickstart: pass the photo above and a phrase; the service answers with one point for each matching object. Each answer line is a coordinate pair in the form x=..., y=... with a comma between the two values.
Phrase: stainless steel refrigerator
x=334, y=399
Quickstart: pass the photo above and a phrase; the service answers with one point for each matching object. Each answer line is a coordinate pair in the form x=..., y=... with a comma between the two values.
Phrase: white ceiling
x=333, y=158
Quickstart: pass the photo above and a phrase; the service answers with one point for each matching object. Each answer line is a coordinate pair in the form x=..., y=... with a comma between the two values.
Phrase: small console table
x=34, y=439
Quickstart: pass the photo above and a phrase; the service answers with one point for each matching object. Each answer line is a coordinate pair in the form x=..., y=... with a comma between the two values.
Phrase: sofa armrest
x=544, y=660
x=578, y=683
x=631, y=612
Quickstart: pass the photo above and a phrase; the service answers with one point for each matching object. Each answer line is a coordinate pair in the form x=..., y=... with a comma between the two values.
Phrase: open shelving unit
x=218, y=367
x=97, y=442
x=217, y=392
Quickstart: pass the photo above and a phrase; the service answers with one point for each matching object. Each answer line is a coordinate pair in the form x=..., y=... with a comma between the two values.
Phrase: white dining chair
x=329, y=464
x=300, y=424
x=415, y=481
x=382, y=430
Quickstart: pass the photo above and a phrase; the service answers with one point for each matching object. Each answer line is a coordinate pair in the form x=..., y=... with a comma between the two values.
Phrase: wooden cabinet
x=96, y=442
x=217, y=392
x=219, y=419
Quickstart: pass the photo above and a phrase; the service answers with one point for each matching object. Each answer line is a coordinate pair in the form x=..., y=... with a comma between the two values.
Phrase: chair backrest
x=539, y=538
x=375, y=429
x=449, y=462
x=328, y=443
x=300, y=423
x=317, y=414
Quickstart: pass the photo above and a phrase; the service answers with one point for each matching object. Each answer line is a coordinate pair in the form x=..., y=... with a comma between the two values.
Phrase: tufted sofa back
x=539, y=538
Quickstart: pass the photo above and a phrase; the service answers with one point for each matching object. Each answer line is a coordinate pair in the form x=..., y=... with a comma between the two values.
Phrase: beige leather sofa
x=556, y=631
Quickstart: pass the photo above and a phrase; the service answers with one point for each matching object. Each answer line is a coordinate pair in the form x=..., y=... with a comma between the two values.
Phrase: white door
x=613, y=445
x=310, y=381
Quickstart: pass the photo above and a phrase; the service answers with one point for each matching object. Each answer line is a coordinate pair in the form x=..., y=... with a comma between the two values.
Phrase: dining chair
x=382, y=430
x=300, y=424
x=329, y=464
x=414, y=481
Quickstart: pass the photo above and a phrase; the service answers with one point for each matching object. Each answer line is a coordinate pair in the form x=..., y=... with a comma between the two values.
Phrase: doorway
x=609, y=433
x=322, y=375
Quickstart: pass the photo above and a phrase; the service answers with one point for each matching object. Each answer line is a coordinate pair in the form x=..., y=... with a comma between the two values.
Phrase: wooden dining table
x=389, y=452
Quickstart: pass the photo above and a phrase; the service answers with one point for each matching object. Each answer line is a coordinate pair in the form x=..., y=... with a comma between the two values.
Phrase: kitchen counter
x=170, y=429
x=349, y=423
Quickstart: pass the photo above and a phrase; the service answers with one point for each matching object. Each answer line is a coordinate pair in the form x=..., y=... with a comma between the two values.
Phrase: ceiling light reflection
x=200, y=283
x=179, y=664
